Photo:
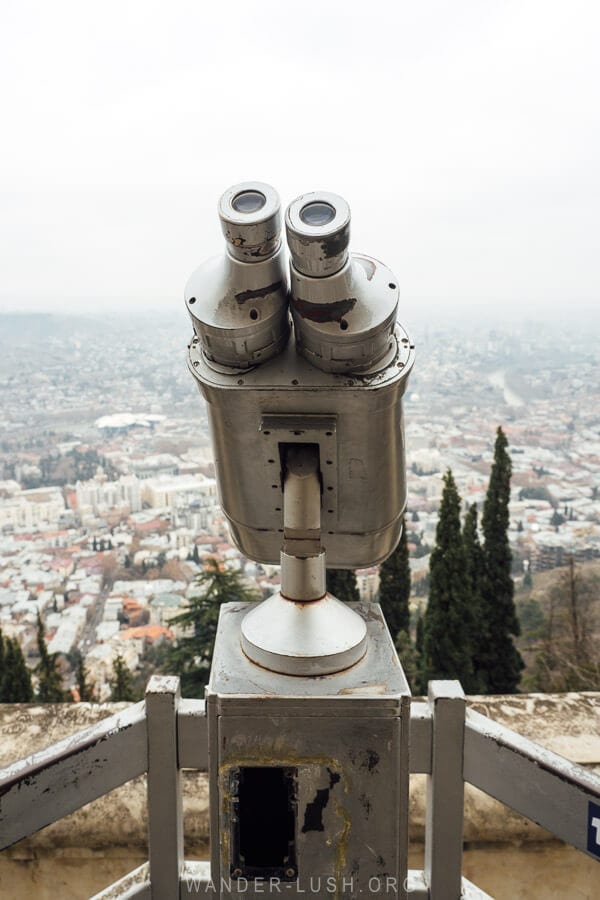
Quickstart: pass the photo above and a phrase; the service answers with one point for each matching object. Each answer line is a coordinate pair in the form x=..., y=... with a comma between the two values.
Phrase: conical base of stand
x=319, y=637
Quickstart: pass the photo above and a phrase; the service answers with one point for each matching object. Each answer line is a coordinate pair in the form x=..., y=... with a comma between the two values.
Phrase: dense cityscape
x=108, y=502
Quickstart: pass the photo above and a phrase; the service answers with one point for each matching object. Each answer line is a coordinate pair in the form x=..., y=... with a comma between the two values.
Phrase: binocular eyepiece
x=343, y=305
x=250, y=216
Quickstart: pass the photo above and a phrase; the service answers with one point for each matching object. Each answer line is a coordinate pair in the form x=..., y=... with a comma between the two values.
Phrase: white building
x=98, y=495
x=28, y=510
x=179, y=490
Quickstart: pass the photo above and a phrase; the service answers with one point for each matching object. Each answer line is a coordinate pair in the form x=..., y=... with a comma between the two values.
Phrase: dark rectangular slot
x=264, y=823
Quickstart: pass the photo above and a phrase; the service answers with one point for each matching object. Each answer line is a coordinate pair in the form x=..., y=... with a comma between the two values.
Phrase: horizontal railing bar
x=470, y=891
x=50, y=784
x=421, y=731
x=192, y=735
x=136, y=884
x=534, y=781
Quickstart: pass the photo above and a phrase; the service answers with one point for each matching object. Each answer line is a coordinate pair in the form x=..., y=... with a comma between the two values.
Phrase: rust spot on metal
x=243, y=296
x=324, y=312
x=370, y=761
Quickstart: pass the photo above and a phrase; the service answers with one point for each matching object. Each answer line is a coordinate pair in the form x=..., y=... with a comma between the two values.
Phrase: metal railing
x=164, y=734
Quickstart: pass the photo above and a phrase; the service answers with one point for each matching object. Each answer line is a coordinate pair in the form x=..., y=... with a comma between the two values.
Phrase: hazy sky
x=465, y=135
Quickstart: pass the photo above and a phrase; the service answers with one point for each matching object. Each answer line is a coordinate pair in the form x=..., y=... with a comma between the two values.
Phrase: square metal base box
x=308, y=776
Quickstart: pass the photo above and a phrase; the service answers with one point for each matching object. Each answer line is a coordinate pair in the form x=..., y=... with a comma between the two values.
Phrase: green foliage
x=497, y=660
x=86, y=691
x=532, y=620
x=394, y=587
x=409, y=659
x=420, y=680
x=50, y=688
x=121, y=684
x=76, y=465
x=15, y=679
x=446, y=635
x=342, y=584
x=190, y=657
x=536, y=493
x=474, y=572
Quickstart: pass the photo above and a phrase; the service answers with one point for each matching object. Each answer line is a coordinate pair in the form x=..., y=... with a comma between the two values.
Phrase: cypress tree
x=86, y=691
x=191, y=656
x=420, y=681
x=15, y=678
x=50, y=681
x=446, y=650
x=474, y=570
x=394, y=587
x=22, y=691
x=498, y=660
x=8, y=666
x=408, y=657
x=342, y=584
x=121, y=684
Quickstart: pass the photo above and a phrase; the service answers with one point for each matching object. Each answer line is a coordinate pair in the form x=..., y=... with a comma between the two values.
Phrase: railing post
x=165, y=814
x=445, y=792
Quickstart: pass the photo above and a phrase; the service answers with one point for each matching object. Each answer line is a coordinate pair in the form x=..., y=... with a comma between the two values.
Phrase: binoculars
x=310, y=353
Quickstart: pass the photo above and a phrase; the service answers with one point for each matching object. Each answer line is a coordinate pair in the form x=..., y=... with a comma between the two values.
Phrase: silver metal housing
x=239, y=310
x=238, y=302
x=356, y=421
x=345, y=323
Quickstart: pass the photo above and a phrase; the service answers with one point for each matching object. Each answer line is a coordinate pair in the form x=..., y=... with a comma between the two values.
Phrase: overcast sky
x=465, y=135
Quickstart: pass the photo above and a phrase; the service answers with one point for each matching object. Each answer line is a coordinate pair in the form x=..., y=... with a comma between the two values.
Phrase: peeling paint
x=324, y=312
x=256, y=294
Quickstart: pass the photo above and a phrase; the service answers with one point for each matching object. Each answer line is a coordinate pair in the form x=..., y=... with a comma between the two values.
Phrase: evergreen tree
x=409, y=659
x=50, y=681
x=498, y=660
x=86, y=691
x=342, y=584
x=21, y=690
x=474, y=570
x=394, y=587
x=420, y=682
x=191, y=655
x=196, y=554
x=121, y=684
x=446, y=650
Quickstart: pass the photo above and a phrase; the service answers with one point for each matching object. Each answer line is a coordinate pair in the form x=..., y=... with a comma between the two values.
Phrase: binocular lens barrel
x=318, y=233
x=238, y=302
x=250, y=216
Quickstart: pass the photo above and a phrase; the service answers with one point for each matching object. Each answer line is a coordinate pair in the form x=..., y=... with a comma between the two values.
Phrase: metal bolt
x=237, y=873
x=290, y=873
